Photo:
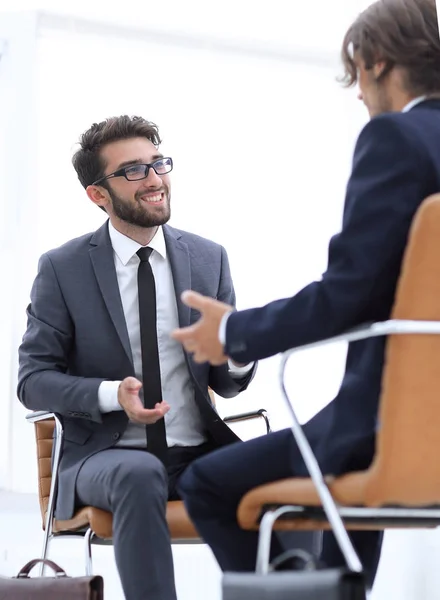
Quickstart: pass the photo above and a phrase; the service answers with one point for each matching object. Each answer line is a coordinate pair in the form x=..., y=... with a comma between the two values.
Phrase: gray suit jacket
x=77, y=337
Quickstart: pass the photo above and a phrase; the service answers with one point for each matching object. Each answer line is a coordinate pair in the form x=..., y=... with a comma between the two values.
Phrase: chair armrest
x=255, y=414
x=369, y=330
x=39, y=415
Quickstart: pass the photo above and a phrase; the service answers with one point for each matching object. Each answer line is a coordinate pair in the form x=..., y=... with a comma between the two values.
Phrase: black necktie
x=156, y=436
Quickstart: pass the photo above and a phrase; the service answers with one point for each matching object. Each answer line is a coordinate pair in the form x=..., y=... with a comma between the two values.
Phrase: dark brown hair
x=400, y=33
x=87, y=160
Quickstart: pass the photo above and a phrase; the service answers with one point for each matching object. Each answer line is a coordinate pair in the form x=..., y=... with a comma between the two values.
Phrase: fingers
x=128, y=397
x=184, y=336
x=198, y=357
x=191, y=345
x=148, y=416
x=161, y=408
x=201, y=350
x=131, y=384
x=194, y=300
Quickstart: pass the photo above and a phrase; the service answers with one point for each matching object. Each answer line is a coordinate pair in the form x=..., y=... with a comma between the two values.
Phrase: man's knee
x=188, y=482
x=202, y=497
x=194, y=487
x=144, y=474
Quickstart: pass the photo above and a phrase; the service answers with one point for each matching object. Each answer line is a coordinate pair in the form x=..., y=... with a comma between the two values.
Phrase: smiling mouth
x=152, y=198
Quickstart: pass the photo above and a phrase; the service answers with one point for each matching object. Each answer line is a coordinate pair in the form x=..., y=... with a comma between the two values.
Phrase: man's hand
x=201, y=339
x=128, y=398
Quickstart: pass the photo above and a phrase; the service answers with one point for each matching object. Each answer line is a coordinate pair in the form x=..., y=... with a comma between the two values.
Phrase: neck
x=396, y=87
x=141, y=235
x=401, y=100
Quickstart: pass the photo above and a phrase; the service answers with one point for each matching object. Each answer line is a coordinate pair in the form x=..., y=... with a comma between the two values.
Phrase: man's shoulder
x=76, y=246
x=190, y=238
x=403, y=127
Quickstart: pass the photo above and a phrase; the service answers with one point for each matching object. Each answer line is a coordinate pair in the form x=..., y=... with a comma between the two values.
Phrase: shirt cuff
x=108, y=396
x=237, y=372
x=222, y=329
x=233, y=369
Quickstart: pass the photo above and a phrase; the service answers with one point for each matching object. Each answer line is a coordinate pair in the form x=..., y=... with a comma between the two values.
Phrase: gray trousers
x=134, y=486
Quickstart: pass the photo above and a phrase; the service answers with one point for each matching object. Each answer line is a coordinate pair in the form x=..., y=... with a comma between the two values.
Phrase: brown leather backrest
x=406, y=469
x=44, y=437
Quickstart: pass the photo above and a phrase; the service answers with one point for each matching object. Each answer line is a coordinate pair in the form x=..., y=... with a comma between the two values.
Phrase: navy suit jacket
x=396, y=165
x=77, y=337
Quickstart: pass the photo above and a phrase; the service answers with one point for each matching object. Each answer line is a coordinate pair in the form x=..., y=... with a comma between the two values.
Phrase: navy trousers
x=213, y=486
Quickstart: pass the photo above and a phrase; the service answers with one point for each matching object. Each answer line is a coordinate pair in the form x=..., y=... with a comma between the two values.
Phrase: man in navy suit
x=392, y=51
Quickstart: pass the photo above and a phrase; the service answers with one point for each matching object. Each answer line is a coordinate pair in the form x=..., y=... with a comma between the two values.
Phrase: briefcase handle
x=24, y=572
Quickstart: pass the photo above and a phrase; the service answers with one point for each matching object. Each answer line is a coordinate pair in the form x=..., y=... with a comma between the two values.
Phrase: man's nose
x=360, y=96
x=153, y=179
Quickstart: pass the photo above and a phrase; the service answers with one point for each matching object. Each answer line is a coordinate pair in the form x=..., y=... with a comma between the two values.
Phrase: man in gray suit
x=133, y=419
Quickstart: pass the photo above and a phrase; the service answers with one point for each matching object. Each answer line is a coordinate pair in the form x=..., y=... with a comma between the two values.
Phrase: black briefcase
x=329, y=584
x=311, y=582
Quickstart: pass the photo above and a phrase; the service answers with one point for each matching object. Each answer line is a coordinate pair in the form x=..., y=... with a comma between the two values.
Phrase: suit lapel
x=101, y=255
x=178, y=255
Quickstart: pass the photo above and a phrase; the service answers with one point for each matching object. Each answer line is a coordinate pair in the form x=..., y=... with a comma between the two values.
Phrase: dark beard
x=136, y=214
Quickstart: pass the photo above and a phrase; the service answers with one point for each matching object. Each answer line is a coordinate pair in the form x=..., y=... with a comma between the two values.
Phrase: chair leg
x=265, y=536
x=88, y=550
x=46, y=539
x=264, y=539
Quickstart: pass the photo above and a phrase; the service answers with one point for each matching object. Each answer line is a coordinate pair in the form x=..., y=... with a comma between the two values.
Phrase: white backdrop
x=261, y=135
x=262, y=142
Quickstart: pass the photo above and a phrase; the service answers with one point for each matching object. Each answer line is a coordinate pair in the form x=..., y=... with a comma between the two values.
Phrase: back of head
x=398, y=33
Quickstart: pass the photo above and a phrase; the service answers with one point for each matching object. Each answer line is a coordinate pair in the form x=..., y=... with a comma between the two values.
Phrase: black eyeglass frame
x=122, y=172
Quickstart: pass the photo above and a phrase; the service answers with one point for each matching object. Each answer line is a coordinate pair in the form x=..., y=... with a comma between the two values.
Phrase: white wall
x=18, y=124
x=262, y=144
x=229, y=83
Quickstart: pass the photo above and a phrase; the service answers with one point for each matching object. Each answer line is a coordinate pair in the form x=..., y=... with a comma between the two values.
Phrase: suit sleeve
x=43, y=380
x=390, y=178
x=220, y=379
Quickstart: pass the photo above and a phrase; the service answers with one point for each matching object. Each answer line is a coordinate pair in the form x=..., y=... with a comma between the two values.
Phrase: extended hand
x=201, y=339
x=128, y=398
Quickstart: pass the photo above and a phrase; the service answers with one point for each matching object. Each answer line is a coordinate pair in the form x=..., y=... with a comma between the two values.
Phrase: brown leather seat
x=100, y=521
x=90, y=519
x=405, y=471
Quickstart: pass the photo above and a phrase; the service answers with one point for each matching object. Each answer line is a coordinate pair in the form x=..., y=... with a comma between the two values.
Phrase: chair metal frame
x=88, y=534
x=338, y=515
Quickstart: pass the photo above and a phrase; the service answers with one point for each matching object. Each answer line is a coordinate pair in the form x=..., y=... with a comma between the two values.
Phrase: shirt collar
x=413, y=103
x=125, y=248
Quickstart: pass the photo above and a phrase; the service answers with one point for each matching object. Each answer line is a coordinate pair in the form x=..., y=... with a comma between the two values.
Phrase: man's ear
x=378, y=69
x=97, y=195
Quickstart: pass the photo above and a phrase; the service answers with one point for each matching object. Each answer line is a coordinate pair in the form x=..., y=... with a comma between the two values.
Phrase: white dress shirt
x=184, y=426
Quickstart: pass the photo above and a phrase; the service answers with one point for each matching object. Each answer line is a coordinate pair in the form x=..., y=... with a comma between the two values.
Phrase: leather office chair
x=92, y=523
x=401, y=488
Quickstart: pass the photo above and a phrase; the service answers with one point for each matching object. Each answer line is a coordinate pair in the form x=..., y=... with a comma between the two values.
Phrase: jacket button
x=116, y=436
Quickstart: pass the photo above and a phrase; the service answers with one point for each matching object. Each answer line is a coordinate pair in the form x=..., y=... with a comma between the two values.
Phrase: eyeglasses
x=140, y=171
